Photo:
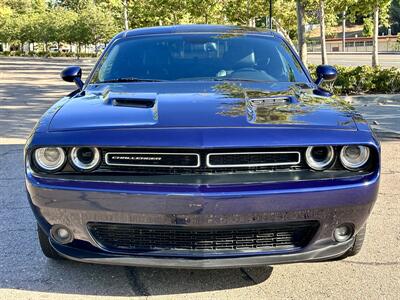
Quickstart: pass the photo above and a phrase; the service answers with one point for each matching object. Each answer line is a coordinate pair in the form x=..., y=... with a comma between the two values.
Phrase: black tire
x=45, y=245
x=358, y=242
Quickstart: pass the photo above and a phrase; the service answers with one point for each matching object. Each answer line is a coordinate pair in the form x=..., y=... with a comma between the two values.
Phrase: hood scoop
x=139, y=103
x=136, y=100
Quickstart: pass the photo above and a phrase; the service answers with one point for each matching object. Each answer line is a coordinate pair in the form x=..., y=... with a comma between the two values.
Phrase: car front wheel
x=45, y=245
x=358, y=242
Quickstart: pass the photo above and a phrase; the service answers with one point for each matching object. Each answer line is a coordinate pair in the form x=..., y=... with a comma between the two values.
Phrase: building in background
x=358, y=44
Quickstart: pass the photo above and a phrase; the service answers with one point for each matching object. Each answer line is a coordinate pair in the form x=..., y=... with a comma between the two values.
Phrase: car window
x=200, y=57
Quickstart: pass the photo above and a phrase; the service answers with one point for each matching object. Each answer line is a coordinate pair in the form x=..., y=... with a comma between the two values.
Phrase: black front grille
x=130, y=237
x=149, y=159
x=255, y=158
x=199, y=161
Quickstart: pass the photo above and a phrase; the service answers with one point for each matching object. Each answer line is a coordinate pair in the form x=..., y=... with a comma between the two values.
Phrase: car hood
x=201, y=104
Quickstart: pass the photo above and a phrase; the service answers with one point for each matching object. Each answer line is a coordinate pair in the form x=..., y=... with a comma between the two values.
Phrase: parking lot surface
x=27, y=88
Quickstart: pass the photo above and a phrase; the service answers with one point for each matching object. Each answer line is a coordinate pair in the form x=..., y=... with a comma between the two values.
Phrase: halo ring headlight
x=353, y=157
x=85, y=159
x=49, y=159
x=319, y=157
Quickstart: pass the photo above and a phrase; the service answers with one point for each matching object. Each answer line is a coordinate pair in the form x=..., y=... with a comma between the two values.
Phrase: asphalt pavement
x=381, y=111
x=29, y=86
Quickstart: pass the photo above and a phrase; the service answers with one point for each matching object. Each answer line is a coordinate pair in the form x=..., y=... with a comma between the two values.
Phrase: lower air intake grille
x=134, y=237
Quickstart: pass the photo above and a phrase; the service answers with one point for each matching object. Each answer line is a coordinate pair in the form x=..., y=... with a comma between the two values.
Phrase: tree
x=156, y=12
x=328, y=16
x=60, y=27
x=95, y=21
x=18, y=6
x=46, y=27
x=126, y=21
x=395, y=11
x=286, y=18
x=375, y=44
x=244, y=12
x=75, y=5
x=324, y=57
x=6, y=27
x=379, y=10
x=93, y=26
x=301, y=30
x=206, y=11
x=324, y=14
x=115, y=9
x=67, y=27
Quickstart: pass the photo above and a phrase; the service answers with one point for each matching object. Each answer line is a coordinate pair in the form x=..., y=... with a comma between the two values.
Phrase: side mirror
x=73, y=74
x=325, y=73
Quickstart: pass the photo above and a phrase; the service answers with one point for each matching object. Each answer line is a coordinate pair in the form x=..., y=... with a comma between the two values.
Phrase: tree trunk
x=344, y=31
x=270, y=14
x=126, y=24
x=78, y=52
x=375, y=59
x=252, y=22
x=301, y=31
x=324, y=57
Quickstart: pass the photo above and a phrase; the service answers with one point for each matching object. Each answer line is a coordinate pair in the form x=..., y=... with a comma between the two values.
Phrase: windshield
x=199, y=57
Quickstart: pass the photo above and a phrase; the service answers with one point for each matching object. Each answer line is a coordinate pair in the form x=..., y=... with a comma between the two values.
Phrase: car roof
x=199, y=28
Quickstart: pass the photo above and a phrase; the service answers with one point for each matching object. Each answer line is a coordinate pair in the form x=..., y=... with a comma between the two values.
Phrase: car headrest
x=240, y=56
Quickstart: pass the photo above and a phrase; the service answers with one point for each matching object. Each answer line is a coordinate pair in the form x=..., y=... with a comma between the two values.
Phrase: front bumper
x=74, y=204
x=96, y=257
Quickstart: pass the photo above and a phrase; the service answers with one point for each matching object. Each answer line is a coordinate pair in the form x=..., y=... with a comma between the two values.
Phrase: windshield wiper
x=236, y=79
x=129, y=79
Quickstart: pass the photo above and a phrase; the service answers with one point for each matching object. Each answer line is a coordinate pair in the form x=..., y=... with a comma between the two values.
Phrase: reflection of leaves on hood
x=232, y=34
x=232, y=90
x=271, y=112
x=237, y=32
x=319, y=101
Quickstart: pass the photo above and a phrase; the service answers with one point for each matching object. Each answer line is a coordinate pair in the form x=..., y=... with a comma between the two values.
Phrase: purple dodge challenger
x=201, y=147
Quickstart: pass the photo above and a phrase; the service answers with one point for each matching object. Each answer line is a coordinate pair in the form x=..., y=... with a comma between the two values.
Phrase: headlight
x=354, y=157
x=319, y=157
x=85, y=158
x=49, y=159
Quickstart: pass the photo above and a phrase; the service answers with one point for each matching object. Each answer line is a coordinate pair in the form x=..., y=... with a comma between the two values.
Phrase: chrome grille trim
x=289, y=163
x=106, y=158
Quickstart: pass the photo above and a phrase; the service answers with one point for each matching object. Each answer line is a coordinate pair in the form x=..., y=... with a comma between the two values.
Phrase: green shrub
x=363, y=80
x=47, y=54
x=15, y=53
